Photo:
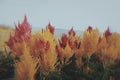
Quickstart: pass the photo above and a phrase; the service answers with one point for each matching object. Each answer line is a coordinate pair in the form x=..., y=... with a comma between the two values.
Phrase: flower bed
x=40, y=56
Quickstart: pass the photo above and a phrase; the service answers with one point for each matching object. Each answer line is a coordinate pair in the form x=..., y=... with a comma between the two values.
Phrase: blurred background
x=62, y=14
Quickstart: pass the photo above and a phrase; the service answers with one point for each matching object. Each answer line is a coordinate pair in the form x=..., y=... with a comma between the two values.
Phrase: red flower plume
x=72, y=32
x=51, y=28
x=107, y=33
x=23, y=31
x=89, y=29
x=64, y=40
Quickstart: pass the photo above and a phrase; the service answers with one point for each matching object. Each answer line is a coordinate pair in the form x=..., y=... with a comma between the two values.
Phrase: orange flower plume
x=90, y=41
x=43, y=46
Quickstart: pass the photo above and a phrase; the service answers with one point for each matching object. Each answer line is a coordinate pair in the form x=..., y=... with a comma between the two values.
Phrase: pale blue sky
x=63, y=13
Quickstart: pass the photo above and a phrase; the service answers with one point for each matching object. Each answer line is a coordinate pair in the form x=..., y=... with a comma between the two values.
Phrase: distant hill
x=59, y=32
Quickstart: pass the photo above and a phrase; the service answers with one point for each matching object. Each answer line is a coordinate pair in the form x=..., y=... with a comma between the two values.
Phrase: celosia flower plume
x=43, y=46
x=27, y=67
x=51, y=28
x=22, y=34
x=23, y=31
x=89, y=29
x=64, y=40
x=90, y=41
x=107, y=33
x=72, y=32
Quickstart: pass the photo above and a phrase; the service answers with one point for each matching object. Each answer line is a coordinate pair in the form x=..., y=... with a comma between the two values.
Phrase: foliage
x=6, y=65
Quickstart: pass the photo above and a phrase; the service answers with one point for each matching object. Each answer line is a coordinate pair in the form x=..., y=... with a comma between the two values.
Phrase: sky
x=63, y=14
